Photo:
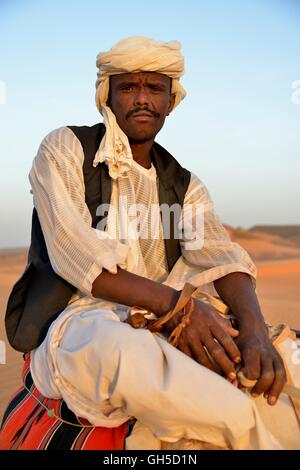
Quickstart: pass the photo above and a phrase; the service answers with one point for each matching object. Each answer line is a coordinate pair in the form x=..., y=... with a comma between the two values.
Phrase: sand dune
x=277, y=259
x=264, y=246
x=278, y=288
x=290, y=232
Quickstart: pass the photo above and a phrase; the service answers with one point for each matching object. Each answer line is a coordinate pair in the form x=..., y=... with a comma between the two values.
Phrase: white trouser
x=106, y=371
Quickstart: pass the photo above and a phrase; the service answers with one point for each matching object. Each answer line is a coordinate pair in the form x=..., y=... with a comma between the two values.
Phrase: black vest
x=40, y=295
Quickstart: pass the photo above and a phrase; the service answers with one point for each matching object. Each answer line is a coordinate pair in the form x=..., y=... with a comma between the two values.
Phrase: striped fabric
x=27, y=426
x=78, y=252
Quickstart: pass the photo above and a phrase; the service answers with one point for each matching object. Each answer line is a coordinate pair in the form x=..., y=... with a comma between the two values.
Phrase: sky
x=238, y=128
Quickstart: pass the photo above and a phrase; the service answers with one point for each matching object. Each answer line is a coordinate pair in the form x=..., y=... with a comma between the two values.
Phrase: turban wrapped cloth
x=135, y=54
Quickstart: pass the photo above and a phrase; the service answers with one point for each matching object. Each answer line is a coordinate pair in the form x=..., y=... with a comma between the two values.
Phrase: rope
x=52, y=414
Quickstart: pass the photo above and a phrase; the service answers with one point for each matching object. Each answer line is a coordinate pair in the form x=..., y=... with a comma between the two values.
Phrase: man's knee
x=238, y=416
x=104, y=342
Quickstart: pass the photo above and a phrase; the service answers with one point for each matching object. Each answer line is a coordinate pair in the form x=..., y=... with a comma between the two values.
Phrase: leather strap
x=184, y=298
x=216, y=303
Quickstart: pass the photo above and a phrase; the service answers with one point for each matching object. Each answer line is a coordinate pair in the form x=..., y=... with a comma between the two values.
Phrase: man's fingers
x=266, y=378
x=278, y=383
x=219, y=355
x=196, y=351
x=233, y=332
x=182, y=345
x=201, y=356
x=252, y=364
x=227, y=342
x=226, y=325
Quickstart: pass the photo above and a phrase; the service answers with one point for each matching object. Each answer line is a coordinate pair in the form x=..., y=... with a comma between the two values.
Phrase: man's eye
x=127, y=88
x=156, y=88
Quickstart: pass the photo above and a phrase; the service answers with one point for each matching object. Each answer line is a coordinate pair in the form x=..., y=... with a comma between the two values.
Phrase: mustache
x=140, y=110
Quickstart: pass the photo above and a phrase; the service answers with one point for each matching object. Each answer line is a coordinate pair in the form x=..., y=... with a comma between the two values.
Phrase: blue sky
x=238, y=128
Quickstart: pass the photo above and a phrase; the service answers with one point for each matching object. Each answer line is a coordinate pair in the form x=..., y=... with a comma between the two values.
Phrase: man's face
x=140, y=101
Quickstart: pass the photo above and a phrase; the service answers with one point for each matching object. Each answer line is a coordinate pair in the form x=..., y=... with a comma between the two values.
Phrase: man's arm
x=205, y=325
x=262, y=362
x=221, y=258
x=236, y=290
x=77, y=251
x=130, y=289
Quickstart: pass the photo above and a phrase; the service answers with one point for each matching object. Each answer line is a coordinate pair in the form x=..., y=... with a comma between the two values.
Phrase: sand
x=278, y=289
x=11, y=266
x=277, y=286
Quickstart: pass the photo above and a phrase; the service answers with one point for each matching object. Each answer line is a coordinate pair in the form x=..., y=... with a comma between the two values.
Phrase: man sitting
x=93, y=365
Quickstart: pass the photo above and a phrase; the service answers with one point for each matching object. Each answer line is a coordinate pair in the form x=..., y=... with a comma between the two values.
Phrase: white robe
x=105, y=370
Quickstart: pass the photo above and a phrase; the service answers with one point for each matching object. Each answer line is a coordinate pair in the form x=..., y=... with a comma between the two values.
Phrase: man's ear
x=171, y=103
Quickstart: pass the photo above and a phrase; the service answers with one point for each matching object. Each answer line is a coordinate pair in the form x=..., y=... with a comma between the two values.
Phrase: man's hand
x=263, y=363
x=197, y=340
x=261, y=360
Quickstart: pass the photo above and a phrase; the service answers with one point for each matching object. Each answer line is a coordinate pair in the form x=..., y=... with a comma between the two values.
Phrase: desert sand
x=12, y=263
x=278, y=288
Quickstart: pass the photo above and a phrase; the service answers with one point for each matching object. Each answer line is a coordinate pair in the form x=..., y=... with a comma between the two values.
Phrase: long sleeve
x=77, y=252
x=207, y=250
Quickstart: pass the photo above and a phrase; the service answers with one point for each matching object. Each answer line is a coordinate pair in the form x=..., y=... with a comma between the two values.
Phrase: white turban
x=135, y=54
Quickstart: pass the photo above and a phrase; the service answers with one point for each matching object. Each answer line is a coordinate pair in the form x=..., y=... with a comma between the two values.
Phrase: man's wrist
x=166, y=301
x=250, y=322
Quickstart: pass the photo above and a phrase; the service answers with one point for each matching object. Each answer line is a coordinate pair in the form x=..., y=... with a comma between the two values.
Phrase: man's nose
x=141, y=97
